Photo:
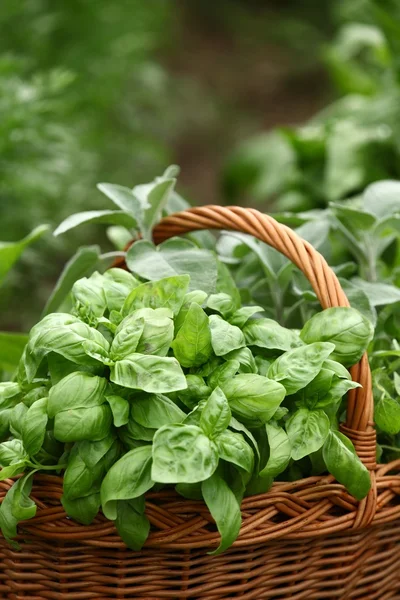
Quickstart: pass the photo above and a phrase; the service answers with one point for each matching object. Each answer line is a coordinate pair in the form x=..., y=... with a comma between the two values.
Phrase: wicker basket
x=304, y=540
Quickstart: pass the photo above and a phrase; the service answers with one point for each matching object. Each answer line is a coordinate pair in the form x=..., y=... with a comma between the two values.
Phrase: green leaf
x=22, y=507
x=34, y=426
x=128, y=478
x=307, y=431
x=266, y=333
x=84, y=509
x=195, y=392
x=12, y=470
x=124, y=198
x=12, y=452
x=120, y=410
x=17, y=415
x=109, y=217
x=192, y=345
x=216, y=414
x=132, y=524
x=279, y=450
x=382, y=198
x=346, y=328
x=153, y=197
x=83, y=423
x=165, y=293
x=233, y=448
x=77, y=390
x=183, y=454
x=296, y=368
x=158, y=331
x=92, y=452
x=65, y=335
x=81, y=264
x=11, y=348
x=223, y=373
x=342, y=461
x=80, y=480
x=224, y=336
x=172, y=258
x=224, y=509
x=379, y=294
x=222, y=303
x=127, y=336
x=253, y=398
x=154, y=411
x=89, y=293
x=152, y=374
x=118, y=284
x=10, y=252
x=245, y=358
x=387, y=415
x=241, y=316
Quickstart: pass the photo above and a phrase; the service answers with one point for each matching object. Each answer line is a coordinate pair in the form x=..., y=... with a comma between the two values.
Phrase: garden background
x=114, y=92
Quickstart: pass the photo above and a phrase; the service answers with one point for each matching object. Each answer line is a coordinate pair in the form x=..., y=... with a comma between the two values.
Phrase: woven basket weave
x=303, y=540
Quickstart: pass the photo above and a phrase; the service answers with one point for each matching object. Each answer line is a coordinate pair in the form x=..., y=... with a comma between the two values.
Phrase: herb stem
x=392, y=448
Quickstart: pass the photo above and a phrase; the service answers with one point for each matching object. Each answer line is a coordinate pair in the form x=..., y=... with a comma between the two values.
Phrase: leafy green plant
x=160, y=376
x=360, y=239
x=351, y=143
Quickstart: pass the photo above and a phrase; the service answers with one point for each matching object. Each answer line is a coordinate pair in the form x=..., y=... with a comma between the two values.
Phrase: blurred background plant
x=115, y=91
x=350, y=143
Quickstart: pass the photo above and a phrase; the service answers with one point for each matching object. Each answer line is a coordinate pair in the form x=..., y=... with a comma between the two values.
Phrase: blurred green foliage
x=351, y=143
x=82, y=96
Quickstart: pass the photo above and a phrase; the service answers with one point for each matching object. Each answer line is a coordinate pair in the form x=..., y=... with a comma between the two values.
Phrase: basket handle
x=359, y=421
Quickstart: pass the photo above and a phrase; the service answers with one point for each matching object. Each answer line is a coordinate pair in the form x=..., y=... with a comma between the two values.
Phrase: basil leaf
x=128, y=478
x=195, y=392
x=307, y=431
x=387, y=415
x=266, y=333
x=82, y=423
x=168, y=292
x=154, y=411
x=119, y=408
x=89, y=293
x=138, y=432
x=222, y=303
x=279, y=450
x=118, y=284
x=241, y=316
x=346, y=328
x=63, y=334
x=132, y=524
x=342, y=461
x=253, y=398
x=153, y=197
x=153, y=374
x=197, y=296
x=127, y=336
x=224, y=509
x=233, y=448
x=216, y=414
x=84, y=510
x=79, y=478
x=183, y=454
x=77, y=390
x=16, y=419
x=245, y=358
x=158, y=333
x=223, y=373
x=296, y=368
x=92, y=452
x=192, y=345
x=224, y=336
x=22, y=507
x=12, y=452
x=34, y=426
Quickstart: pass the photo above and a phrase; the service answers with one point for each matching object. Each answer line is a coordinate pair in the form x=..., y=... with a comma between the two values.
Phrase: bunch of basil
x=160, y=376
x=156, y=383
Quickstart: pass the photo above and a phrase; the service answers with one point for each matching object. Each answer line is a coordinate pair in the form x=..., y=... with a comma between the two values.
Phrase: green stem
x=391, y=448
x=38, y=466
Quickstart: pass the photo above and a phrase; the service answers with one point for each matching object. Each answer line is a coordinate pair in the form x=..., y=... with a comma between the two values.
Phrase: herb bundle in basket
x=158, y=384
